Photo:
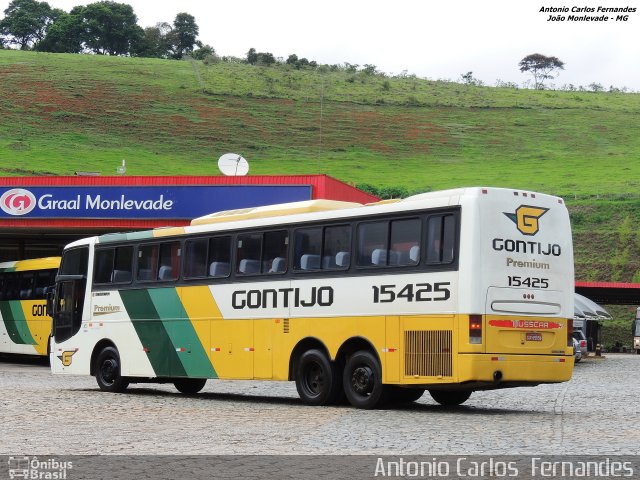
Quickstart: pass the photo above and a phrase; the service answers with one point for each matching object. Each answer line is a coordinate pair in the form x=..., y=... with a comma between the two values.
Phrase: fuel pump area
x=40, y=215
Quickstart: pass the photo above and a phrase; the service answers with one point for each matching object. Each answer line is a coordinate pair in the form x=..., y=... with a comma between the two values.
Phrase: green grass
x=62, y=113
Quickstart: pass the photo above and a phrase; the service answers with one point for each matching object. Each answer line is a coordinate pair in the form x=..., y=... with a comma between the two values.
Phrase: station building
x=40, y=215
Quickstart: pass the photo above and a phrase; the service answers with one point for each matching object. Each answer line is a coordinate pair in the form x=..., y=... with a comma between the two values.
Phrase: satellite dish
x=233, y=165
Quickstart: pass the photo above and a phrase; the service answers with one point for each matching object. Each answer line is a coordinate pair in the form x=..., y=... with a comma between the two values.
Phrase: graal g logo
x=65, y=358
x=526, y=218
x=17, y=201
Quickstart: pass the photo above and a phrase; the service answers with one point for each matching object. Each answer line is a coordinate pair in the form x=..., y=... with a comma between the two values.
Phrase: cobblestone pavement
x=42, y=414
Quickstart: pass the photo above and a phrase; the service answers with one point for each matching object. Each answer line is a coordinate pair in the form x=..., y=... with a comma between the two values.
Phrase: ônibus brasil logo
x=526, y=218
x=17, y=201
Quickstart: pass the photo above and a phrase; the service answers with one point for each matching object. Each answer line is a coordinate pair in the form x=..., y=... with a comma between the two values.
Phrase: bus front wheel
x=362, y=381
x=317, y=379
x=450, y=398
x=189, y=386
x=108, y=371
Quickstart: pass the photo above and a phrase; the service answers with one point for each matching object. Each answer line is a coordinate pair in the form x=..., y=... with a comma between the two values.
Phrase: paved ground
x=594, y=413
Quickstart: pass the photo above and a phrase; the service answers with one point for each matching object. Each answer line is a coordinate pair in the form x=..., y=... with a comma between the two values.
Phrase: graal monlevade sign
x=145, y=202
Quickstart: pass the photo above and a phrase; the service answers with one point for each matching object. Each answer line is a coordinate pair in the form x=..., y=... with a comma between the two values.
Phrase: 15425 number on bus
x=411, y=292
x=531, y=282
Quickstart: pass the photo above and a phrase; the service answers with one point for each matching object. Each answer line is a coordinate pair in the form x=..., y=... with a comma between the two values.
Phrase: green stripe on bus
x=16, y=323
x=152, y=333
x=194, y=358
x=8, y=269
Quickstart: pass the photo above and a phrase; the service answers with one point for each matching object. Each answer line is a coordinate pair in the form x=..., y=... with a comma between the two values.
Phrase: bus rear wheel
x=362, y=381
x=450, y=398
x=189, y=386
x=318, y=379
x=108, y=371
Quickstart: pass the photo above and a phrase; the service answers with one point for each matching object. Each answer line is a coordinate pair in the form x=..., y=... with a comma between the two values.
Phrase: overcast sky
x=437, y=39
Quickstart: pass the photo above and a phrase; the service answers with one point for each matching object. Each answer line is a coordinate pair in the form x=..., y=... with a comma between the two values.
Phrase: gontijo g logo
x=526, y=218
x=17, y=201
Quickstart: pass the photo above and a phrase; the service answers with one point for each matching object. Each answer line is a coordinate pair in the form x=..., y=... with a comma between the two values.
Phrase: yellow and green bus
x=25, y=327
x=450, y=292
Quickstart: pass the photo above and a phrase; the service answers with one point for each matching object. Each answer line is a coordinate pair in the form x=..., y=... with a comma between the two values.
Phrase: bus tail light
x=475, y=329
x=569, y=332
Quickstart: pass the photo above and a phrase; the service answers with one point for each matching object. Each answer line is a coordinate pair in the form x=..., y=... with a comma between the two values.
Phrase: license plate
x=534, y=337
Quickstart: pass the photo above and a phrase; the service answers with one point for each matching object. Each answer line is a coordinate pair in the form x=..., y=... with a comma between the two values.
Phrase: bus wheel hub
x=362, y=380
x=108, y=370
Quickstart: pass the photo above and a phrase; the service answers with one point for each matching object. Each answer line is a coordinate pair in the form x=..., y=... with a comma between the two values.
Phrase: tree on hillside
x=64, y=35
x=155, y=42
x=204, y=52
x=540, y=67
x=252, y=56
x=26, y=21
x=184, y=35
x=260, y=58
x=109, y=28
x=292, y=59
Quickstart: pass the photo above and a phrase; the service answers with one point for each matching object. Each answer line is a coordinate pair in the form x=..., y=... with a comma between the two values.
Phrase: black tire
x=362, y=381
x=108, y=371
x=318, y=379
x=406, y=395
x=189, y=386
x=450, y=398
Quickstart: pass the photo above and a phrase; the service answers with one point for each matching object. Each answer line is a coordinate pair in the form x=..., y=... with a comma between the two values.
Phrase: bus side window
x=123, y=265
x=274, y=258
x=43, y=280
x=441, y=239
x=147, y=262
x=219, y=257
x=26, y=285
x=307, y=248
x=249, y=251
x=372, y=244
x=169, y=261
x=195, y=258
x=405, y=241
x=113, y=265
x=12, y=291
x=103, y=266
x=337, y=243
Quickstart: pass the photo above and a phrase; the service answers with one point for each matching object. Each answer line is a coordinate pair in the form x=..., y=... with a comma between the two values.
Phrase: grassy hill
x=62, y=113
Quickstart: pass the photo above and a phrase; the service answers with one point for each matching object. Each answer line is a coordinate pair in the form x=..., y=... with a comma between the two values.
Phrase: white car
x=582, y=342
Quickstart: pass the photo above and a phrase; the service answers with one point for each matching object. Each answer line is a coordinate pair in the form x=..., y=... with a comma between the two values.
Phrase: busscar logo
x=526, y=218
x=65, y=358
x=17, y=201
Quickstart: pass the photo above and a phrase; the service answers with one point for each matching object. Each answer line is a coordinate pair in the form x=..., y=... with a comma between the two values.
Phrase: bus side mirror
x=49, y=294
